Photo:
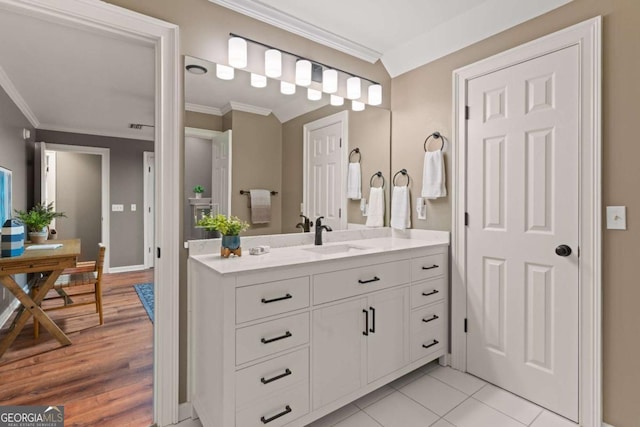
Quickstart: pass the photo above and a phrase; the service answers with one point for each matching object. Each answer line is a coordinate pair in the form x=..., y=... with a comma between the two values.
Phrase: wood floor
x=105, y=378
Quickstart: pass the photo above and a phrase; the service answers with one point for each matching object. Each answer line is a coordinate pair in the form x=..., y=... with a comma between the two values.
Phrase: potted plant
x=198, y=190
x=230, y=228
x=37, y=220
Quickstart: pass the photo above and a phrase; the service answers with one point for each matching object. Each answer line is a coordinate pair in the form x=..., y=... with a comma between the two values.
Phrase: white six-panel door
x=522, y=200
x=221, y=173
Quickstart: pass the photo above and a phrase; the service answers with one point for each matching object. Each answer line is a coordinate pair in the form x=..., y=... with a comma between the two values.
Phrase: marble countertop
x=284, y=256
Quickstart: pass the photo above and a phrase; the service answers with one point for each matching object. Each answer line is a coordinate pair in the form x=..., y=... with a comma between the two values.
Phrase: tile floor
x=441, y=397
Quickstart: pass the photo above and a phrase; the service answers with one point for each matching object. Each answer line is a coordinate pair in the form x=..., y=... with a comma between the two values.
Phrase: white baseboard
x=127, y=268
x=6, y=314
x=189, y=423
x=184, y=411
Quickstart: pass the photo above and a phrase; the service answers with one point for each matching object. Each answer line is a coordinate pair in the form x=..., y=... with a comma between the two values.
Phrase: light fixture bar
x=302, y=57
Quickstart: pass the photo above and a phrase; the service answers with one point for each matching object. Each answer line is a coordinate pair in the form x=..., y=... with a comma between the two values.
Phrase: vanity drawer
x=428, y=329
x=355, y=281
x=429, y=266
x=254, y=342
x=270, y=377
x=277, y=409
x=428, y=291
x=268, y=299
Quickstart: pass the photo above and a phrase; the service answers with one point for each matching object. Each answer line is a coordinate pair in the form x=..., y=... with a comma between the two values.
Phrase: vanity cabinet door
x=339, y=350
x=388, y=340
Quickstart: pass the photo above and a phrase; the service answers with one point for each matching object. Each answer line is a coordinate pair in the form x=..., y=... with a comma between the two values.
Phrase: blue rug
x=145, y=293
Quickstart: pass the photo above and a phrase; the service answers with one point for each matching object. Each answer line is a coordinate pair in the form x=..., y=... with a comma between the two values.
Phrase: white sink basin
x=335, y=249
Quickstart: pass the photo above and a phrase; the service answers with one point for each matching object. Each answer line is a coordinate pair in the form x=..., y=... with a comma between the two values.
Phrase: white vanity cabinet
x=284, y=346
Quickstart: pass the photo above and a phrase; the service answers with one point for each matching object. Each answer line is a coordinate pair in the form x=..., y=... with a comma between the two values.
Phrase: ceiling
x=403, y=34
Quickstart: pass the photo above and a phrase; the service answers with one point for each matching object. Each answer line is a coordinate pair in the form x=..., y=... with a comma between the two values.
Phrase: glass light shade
x=357, y=106
x=287, y=88
x=258, y=80
x=330, y=81
x=303, y=72
x=375, y=95
x=237, y=52
x=353, y=88
x=337, y=100
x=314, y=95
x=273, y=63
x=224, y=72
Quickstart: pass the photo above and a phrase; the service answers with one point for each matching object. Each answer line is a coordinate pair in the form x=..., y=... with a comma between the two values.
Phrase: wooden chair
x=84, y=274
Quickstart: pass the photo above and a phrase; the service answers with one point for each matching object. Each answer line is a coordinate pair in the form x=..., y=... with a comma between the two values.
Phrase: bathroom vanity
x=287, y=337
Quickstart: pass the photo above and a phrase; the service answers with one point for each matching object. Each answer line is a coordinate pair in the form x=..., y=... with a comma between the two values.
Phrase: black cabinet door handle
x=281, y=337
x=431, y=268
x=373, y=320
x=433, y=292
x=366, y=322
x=267, y=301
x=287, y=409
x=430, y=319
x=375, y=279
x=286, y=373
x=432, y=344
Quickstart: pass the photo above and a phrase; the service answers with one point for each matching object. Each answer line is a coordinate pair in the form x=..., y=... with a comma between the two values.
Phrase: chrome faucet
x=306, y=227
x=319, y=228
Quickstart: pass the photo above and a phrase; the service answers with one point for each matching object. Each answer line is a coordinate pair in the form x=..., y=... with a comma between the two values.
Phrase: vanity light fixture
x=196, y=69
x=314, y=95
x=337, y=100
x=237, y=52
x=287, y=88
x=308, y=71
x=224, y=72
x=357, y=105
x=258, y=80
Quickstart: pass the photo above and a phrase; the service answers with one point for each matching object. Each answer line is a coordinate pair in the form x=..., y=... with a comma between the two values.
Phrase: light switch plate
x=616, y=217
x=133, y=207
x=117, y=208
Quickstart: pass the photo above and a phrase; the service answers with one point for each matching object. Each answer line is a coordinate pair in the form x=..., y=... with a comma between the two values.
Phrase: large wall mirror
x=240, y=137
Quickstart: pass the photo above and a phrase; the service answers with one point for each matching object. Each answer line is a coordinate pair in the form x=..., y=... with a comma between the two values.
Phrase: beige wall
x=421, y=104
x=256, y=143
x=202, y=121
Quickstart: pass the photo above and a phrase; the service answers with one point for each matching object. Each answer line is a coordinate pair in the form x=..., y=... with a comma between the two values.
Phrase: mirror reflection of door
x=221, y=174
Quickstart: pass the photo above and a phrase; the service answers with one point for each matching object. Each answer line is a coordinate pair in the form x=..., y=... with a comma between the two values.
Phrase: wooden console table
x=50, y=262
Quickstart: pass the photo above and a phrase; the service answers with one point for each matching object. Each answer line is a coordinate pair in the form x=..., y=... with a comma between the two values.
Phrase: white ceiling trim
x=127, y=135
x=17, y=99
x=197, y=108
x=239, y=106
x=476, y=24
x=264, y=13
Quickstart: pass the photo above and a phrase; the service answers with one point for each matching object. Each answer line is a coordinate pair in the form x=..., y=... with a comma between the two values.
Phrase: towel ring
x=403, y=172
x=435, y=135
x=357, y=151
x=379, y=175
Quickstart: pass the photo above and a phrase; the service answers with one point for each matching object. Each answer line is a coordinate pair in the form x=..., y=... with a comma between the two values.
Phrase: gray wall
x=127, y=228
x=79, y=196
x=16, y=155
x=197, y=171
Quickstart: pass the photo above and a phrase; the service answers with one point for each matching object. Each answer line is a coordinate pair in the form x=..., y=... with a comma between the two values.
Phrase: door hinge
x=465, y=325
x=578, y=251
x=158, y=254
x=466, y=112
x=340, y=213
x=149, y=169
x=340, y=142
x=466, y=218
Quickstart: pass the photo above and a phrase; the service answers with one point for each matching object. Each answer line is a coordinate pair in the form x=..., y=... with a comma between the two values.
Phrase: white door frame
x=164, y=37
x=105, y=187
x=587, y=36
x=343, y=117
x=148, y=157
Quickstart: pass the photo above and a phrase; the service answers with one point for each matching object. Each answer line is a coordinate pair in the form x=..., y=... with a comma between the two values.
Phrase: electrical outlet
x=117, y=208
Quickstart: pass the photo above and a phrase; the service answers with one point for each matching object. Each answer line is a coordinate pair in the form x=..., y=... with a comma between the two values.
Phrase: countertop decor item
x=37, y=219
x=230, y=228
x=198, y=190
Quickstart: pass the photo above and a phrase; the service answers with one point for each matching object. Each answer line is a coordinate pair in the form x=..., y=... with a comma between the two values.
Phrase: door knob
x=563, y=250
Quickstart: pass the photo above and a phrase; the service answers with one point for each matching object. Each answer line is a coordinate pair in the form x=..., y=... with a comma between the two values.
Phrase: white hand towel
x=400, y=213
x=375, y=213
x=433, y=177
x=354, y=179
x=260, y=206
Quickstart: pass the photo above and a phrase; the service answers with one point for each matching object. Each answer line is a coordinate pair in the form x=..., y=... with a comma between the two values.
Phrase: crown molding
x=197, y=108
x=9, y=87
x=124, y=134
x=239, y=106
x=260, y=11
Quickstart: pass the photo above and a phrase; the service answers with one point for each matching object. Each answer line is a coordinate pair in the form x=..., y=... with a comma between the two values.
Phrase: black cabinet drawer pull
x=375, y=279
x=366, y=322
x=373, y=320
x=267, y=301
x=430, y=319
x=433, y=292
x=286, y=373
x=432, y=344
x=281, y=337
x=431, y=268
x=287, y=409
